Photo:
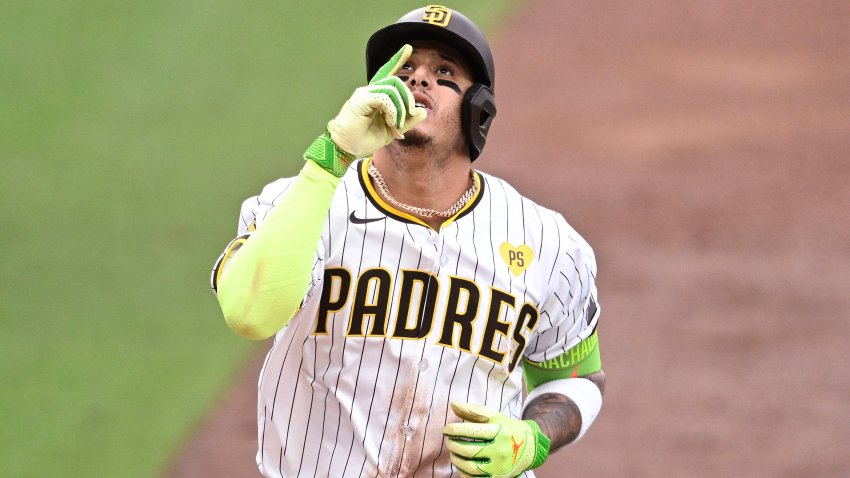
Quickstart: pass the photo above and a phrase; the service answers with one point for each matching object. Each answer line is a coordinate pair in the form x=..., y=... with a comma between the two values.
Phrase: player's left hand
x=493, y=444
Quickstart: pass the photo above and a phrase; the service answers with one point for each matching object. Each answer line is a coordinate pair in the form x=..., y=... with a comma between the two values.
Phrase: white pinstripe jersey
x=399, y=320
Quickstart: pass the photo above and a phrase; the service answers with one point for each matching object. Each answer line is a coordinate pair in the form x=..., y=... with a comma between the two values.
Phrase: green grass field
x=129, y=134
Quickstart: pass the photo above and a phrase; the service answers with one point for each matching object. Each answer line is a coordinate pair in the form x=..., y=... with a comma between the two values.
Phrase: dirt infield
x=703, y=148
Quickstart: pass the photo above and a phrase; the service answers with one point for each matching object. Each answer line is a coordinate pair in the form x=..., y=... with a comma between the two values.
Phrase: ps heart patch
x=518, y=258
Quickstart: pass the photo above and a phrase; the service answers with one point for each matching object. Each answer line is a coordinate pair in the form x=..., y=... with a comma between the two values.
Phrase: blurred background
x=700, y=146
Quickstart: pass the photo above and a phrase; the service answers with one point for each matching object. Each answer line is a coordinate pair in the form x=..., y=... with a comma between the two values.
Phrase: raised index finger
x=393, y=65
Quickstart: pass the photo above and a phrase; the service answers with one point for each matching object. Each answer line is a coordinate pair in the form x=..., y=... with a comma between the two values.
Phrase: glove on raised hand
x=373, y=115
x=493, y=444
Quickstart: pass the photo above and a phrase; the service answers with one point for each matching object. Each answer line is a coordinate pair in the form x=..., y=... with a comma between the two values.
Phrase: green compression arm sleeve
x=263, y=284
x=579, y=361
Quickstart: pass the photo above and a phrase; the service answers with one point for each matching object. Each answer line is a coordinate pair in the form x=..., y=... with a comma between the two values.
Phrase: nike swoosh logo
x=363, y=220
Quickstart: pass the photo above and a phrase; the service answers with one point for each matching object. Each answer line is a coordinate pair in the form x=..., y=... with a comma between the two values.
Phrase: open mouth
x=422, y=100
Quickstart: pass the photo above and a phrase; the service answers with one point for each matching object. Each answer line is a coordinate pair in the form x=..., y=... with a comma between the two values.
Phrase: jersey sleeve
x=570, y=312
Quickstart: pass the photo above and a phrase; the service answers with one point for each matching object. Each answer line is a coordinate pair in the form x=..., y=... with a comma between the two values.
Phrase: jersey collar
x=392, y=211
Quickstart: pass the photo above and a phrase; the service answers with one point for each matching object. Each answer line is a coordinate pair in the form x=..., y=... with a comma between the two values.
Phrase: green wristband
x=541, y=444
x=325, y=153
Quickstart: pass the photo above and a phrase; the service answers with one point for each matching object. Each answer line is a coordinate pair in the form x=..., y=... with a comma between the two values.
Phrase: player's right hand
x=377, y=113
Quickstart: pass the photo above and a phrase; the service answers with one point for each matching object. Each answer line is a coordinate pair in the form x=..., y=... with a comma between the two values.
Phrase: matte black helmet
x=448, y=26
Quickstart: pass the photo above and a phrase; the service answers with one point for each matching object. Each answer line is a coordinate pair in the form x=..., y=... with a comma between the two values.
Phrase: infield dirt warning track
x=703, y=149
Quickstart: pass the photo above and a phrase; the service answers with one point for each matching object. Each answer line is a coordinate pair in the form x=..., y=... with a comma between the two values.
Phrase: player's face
x=438, y=76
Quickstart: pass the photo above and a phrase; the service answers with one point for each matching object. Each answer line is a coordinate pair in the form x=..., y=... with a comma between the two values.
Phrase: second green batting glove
x=490, y=443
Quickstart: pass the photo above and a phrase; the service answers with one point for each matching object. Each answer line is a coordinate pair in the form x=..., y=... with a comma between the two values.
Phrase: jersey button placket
x=435, y=240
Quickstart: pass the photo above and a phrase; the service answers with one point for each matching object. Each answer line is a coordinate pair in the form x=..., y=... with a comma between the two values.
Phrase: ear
x=476, y=115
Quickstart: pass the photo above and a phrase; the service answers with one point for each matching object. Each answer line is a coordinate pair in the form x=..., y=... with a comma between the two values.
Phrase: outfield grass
x=129, y=134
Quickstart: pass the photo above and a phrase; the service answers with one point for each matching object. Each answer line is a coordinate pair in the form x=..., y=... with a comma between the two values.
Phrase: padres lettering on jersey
x=421, y=287
x=399, y=320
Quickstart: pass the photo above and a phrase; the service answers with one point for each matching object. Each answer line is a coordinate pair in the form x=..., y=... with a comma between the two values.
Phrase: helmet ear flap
x=476, y=115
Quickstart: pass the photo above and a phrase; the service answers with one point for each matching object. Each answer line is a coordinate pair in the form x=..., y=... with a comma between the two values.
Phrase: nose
x=420, y=77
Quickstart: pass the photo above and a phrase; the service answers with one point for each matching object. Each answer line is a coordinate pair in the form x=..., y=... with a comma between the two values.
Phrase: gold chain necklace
x=421, y=211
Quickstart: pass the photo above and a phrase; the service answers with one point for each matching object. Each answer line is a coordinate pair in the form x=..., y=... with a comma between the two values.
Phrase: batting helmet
x=448, y=26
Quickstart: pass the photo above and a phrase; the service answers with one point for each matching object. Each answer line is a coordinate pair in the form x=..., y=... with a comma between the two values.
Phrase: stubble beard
x=416, y=139
x=418, y=142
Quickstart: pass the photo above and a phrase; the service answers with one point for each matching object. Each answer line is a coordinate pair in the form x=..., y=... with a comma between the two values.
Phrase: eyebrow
x=447, y=57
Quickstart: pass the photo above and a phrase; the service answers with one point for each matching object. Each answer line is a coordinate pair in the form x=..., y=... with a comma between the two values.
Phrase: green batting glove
x=377, y=113
x=493, y=444
x=327, y=155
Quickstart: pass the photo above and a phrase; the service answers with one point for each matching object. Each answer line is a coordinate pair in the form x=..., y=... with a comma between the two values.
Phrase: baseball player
x=409, y=295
